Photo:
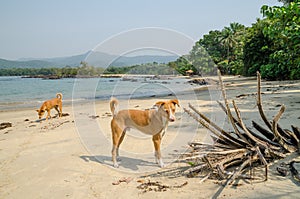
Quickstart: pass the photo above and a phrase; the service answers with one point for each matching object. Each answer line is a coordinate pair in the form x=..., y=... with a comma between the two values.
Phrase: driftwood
x=157, y=186
x=233, y=155
x=5, y=125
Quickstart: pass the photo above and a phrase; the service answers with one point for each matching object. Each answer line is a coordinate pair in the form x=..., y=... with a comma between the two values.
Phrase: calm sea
x=18, y=93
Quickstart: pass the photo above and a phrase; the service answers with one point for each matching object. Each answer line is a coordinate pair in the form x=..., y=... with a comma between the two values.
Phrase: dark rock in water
x=43, y=76
x=198, y=81
x=5, y=125
x=51, y=77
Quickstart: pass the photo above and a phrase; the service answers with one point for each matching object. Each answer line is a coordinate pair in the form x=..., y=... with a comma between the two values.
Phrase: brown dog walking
x=152, y=122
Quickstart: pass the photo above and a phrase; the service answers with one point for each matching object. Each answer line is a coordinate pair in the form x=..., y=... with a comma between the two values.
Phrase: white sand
x=70, y=157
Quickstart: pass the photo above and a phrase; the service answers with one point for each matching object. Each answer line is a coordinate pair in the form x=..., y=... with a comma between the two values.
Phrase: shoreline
x=56, y=77
x=70, y=103
x=104, y=89
x=197, y=88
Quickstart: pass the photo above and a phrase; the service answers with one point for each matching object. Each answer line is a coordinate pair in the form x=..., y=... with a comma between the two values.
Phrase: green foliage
x=90, y=71
x=257, y=48
x=211, y=43
x=182, y=64
x=201, y=62
x=152, y=69
x=65, y=72
x=284, y=30
x=87, y=70
x=286, y=2
x=271, y=46
x=218, y=49
x=116, y=70
x=59, y=72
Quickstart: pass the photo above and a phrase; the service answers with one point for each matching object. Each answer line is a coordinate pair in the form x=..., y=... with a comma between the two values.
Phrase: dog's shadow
x=52, y=117
x=126, y=162
x=39, y=120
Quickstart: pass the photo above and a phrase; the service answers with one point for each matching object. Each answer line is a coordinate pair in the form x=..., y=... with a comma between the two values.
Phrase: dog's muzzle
x=172, y=118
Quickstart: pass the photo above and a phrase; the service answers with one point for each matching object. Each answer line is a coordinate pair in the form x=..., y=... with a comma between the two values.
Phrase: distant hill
x=24, y=64
x=70, y=61
x=99, y=59
x=96, y=59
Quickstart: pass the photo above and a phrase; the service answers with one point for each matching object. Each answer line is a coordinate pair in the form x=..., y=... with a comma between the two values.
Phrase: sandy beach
x=70, y=157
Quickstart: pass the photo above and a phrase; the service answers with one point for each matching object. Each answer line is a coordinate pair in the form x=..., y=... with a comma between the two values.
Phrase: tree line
x=89, y=71
x=59, y=72
x=271, y=46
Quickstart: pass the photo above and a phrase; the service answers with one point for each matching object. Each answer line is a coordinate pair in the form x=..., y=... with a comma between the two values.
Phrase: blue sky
x=54, y=28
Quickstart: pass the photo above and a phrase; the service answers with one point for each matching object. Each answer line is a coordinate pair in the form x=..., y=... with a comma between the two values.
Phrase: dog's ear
x=159, y=104
x=175, y=102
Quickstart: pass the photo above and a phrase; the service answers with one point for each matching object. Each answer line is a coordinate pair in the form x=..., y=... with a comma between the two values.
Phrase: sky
x=57, y=28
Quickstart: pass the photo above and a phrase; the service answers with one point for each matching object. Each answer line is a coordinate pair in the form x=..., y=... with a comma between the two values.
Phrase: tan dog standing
x=50, y=104
x=152, y=122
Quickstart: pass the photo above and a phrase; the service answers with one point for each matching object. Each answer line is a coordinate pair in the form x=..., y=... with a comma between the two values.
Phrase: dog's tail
x=114, y=105
x=59, y=95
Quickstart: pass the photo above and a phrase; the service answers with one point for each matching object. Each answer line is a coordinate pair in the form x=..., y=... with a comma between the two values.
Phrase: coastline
x=25, y=93
x=50, y=159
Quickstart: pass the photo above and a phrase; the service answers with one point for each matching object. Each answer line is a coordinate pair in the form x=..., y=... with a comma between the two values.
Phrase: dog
x=50, y=104
x=150, y=121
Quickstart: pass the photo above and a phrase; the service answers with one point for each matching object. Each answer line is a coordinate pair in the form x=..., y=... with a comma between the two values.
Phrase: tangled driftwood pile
x=157, y=186
x=233, y=155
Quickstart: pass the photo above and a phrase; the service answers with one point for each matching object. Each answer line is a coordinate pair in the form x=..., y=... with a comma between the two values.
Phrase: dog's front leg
x=157, y=141
x=48, y=115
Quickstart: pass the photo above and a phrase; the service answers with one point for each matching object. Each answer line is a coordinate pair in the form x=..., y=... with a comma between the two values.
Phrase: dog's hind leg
x=120, y=141
x=157, y=141
x=58, y=112
x=116, y=136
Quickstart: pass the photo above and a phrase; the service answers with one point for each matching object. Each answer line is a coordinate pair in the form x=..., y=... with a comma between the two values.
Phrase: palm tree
x=227, y=40
x=231, y=41
x=230, y=36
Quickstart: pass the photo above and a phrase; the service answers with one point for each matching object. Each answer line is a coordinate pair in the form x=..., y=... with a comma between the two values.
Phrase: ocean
x=21, y=93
